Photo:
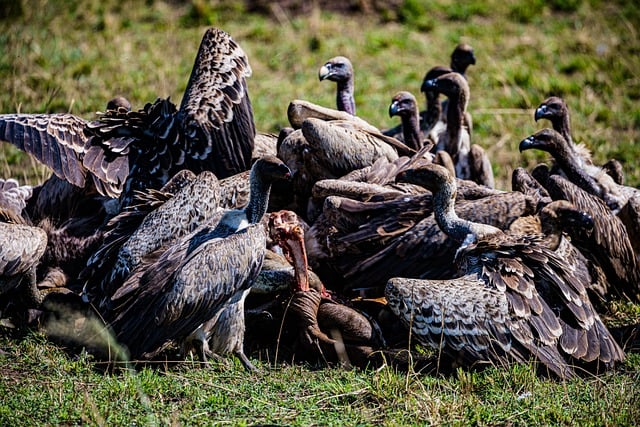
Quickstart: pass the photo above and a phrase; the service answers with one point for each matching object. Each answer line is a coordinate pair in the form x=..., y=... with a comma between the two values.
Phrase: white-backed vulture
x=193, y=292
x=514, y=299
x=456, y=139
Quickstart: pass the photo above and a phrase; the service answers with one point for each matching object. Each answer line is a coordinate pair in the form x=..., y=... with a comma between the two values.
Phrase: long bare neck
x=447, y=218
x=345, y=97
x=451, y=224
x=411, y=130
x=455, y=116
x=568, y=161
x=258, y=198
x=434, y=109
x=562, y=125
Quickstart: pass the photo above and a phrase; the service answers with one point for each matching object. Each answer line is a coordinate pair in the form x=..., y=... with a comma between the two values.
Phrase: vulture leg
x=246, y=362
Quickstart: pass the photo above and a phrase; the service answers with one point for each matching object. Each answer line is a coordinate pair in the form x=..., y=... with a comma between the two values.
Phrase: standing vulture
x=514, y=300
x=470, y=161
x=202, y=278
x=556, y=111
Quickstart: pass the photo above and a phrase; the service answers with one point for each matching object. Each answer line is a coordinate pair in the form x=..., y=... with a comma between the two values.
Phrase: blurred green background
x=74, y=55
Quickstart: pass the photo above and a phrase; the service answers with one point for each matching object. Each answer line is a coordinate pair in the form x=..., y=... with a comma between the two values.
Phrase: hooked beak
x=325, y=72
x=540, y=112
x=527, y=143
x=394, y=108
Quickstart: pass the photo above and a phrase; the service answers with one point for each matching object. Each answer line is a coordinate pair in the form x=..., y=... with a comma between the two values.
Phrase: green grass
x=73, y=56
x=43, y=385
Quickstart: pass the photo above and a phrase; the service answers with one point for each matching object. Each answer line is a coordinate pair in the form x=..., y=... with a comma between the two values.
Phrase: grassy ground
x=42, y=385
x=74, y=55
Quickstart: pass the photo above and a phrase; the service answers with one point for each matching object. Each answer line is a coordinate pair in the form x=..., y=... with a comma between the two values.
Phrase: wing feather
x=215, y=113
x=56, y=140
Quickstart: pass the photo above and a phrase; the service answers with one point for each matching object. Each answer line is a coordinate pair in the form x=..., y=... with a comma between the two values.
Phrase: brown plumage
x=608, y=244
x=592, y=179
x=59, y=141
x=404, y=104
x=124, y=151
x=555, y=110
x=197, y=281
x=461, y=58
x=329, y=150
x=430, y=119
x=20, y=252
x=365, y=243
x=207, y=274
x=13, y=196
x=299, y=110
x=514, y=300
x=144, y=227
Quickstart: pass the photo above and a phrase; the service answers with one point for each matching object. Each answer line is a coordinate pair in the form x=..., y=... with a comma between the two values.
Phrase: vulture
x=513, y=300
x=70, y=219
x=433, y=118
x=608, y=245
x=556, y=111
x=404, y=105
x=340, y=70
x=147, y=225
x=621, y=199
x=561, y=224
x=329, y=149
x=461, y=58
x=470, y=162
x=364, y=242
x=123, y=151
x=20, y=252
x=13, y=198
x=193, y=292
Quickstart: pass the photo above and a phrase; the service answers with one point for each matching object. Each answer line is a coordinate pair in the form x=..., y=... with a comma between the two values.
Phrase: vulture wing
x=56, y=140
x=216, y=114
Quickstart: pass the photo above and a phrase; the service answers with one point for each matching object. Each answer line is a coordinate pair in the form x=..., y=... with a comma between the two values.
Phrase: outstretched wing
x=216, y=113
x=56, y=140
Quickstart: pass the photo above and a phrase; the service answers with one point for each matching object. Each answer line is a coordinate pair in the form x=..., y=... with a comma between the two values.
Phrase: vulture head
x=270, y=169
x=546, y=140
x=461, y=57
x=120, y=104
x=434, y=178
x=403, y=104
x=453, y=85
x=433, y=73
x=337, y=69
x=553, y=109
